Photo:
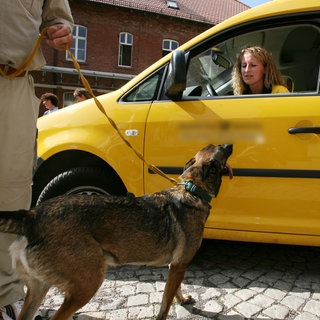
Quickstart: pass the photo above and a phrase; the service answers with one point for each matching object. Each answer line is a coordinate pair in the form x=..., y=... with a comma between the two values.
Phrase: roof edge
x=165, y=12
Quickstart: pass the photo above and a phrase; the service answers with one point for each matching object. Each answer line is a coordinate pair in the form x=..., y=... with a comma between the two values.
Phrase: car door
x=276, y=157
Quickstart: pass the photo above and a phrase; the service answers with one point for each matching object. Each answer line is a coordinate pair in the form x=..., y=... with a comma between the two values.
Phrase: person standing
x=21, y=21
x=81, y=94
x=50, y=101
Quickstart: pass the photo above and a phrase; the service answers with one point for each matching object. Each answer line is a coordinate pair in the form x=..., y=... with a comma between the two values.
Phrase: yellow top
x=279, y=89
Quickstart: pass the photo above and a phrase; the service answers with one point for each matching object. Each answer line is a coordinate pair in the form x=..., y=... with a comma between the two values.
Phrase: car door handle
x=304, y=130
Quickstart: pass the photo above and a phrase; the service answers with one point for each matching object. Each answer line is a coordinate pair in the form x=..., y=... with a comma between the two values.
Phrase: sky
x=253, y=3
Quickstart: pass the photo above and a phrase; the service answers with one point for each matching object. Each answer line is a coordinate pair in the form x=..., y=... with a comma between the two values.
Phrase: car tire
x=82, y=180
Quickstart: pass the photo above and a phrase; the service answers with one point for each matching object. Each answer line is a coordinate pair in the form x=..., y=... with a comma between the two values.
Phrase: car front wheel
x=82, y=180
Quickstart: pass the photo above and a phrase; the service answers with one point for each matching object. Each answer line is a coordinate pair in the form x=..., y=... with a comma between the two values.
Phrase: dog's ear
x=189, y=164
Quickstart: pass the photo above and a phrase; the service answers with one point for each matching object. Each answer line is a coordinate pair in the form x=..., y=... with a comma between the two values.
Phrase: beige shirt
x=22, y=21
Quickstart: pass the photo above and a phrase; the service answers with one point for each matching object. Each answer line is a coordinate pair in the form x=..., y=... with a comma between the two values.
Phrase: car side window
x=146, y=90
x=296, y=55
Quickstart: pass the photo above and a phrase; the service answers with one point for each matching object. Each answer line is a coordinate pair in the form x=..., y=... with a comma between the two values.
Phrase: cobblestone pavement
x=228, y=280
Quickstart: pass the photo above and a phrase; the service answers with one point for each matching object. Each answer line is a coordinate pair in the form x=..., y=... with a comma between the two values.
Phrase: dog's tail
x=17, y=222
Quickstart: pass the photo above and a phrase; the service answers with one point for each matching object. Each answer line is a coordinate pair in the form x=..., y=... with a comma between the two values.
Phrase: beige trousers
x=18, y=117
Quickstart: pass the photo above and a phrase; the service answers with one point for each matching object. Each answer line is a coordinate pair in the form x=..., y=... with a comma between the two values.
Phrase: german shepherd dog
x=69, y=241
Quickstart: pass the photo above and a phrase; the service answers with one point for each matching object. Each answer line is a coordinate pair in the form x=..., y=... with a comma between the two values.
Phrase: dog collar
x=198, y=191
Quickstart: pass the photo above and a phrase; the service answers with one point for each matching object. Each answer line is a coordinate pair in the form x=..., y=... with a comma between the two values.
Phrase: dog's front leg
x=172, y=288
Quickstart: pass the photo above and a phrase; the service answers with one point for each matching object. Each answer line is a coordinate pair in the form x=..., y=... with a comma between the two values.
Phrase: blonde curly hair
x=272, y=74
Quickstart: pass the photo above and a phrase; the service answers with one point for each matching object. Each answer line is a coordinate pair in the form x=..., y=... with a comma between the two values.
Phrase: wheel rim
x=89, y=190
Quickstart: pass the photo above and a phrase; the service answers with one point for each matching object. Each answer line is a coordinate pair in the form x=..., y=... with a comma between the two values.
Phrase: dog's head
x=207, y=167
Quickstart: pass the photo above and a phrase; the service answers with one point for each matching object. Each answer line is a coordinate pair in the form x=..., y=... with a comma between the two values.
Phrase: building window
x=68, y=99
x=79, y=44
x=172, y=4
x=125, y=49
x=168, y=46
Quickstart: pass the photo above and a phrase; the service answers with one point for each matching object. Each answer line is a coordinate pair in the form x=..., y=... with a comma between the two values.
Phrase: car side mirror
x=176, y=81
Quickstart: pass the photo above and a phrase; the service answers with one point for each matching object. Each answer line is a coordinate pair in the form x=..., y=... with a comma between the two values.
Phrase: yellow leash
x=113, y=124
x=86, y=84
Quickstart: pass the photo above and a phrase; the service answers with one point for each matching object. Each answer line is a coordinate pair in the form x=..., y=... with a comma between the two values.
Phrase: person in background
x=81, y=94
x=21, y=22
x=50, y=101
x=255, y=72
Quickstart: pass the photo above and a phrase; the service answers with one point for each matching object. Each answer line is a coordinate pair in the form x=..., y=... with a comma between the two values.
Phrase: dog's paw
x=185, y=299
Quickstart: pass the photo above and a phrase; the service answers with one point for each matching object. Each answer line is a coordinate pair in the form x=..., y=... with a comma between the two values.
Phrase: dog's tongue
x=230, y=172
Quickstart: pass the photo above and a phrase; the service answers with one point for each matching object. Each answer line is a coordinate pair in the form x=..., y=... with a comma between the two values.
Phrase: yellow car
x=185, y=101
